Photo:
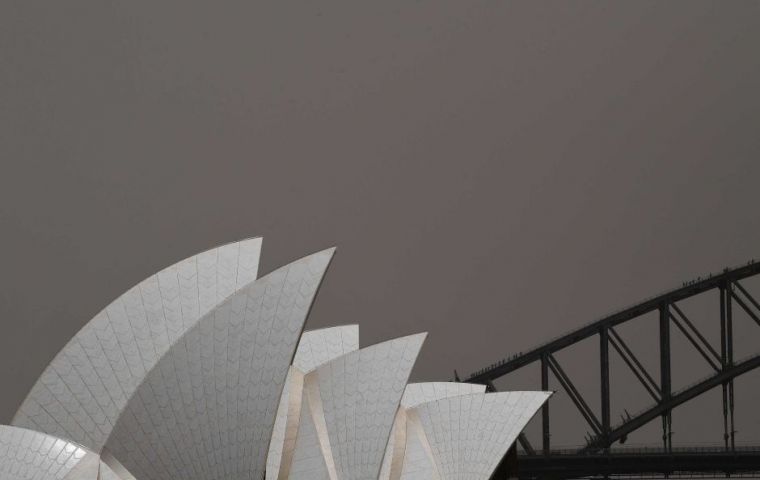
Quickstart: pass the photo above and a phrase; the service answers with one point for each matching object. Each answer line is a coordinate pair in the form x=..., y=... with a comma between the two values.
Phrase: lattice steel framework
x=732, y=295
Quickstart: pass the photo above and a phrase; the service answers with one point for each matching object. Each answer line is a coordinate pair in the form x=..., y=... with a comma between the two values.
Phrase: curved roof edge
x=82, y=391
x=318, y=347
x=502, y=414
x=26, y=453
x=419, y=393
x=416, y=394
x=358, y=425
x=314, y=348
x=245, y=344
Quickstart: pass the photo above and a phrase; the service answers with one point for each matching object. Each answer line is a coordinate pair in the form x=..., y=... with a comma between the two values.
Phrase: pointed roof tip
x=328, y=252
x=414, y=336
x=423, y=392
x=318, y=346
x=444, y=382
x=422, y=336
x=548, y=393
x=345, y=325
x=258, y=238
x=320, y=261
x=543, y=395
x=325, y=251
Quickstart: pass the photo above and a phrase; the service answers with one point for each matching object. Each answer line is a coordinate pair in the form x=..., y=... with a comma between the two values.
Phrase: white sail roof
x=207, y=408
x=202, y=372
x=29, y=455
x=82, y=392
x=353, y=401
x=315, y=348
x=404, y=437
x=26, y=454
x=418, y=393
x=470, y=434
x=320, y=346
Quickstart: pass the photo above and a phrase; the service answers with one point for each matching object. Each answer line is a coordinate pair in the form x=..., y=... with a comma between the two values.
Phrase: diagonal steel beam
x=636, y=361
x=694, y=329
x=633, y=369
x=525, y=444
x=745, y=307
x=696, y=345
x=746, y=294
x=574, y=395
x=678, y=398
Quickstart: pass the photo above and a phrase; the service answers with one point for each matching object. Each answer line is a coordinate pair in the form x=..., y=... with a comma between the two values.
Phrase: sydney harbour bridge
x=604, y=453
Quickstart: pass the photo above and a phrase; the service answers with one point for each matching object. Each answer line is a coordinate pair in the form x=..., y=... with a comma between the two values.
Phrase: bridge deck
x=644, y=462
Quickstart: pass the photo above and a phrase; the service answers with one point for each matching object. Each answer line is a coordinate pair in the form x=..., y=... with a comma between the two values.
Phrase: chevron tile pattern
x=360, y=394
x=29, y=455
x=207, y=408
x=320, y=346
x=26, y=454
x=469, y=434
x=419, y=393
x=315, y=348
x=204, y=372
x=82, y=392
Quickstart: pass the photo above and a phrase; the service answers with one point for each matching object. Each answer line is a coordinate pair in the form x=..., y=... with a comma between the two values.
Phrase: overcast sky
x=492, y=172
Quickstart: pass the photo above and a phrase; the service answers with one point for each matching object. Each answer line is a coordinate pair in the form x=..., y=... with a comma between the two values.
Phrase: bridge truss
x=597, y=457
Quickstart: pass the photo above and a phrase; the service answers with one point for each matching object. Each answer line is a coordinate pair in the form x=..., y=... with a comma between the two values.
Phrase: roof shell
x=419, y=393
x=470, y=434
x=315, y=348
x=30, y=455
x=84, y=389
x=405, y=439
x=353, y=400
x=26, y=454
x=207, y=408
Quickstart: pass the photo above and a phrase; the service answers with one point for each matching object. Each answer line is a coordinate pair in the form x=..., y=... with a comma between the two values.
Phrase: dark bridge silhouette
x=598, y=458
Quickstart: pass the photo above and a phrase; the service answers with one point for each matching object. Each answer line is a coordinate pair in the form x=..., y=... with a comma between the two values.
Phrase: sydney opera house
x=204, y=371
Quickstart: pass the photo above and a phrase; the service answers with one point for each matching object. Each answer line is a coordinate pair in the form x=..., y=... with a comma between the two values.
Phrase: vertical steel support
x=604, y=357
x=724, y=361
x=545, y=407
x=665, y=373
x=730, y=358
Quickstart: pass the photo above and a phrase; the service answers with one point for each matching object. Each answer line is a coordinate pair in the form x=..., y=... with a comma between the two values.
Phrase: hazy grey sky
x=493, y=172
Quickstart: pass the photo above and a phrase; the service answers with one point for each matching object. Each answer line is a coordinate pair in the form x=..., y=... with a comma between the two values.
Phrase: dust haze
x=493, y=172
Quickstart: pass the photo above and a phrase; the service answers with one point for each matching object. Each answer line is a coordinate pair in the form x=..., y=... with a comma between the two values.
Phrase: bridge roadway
x=701, y=462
